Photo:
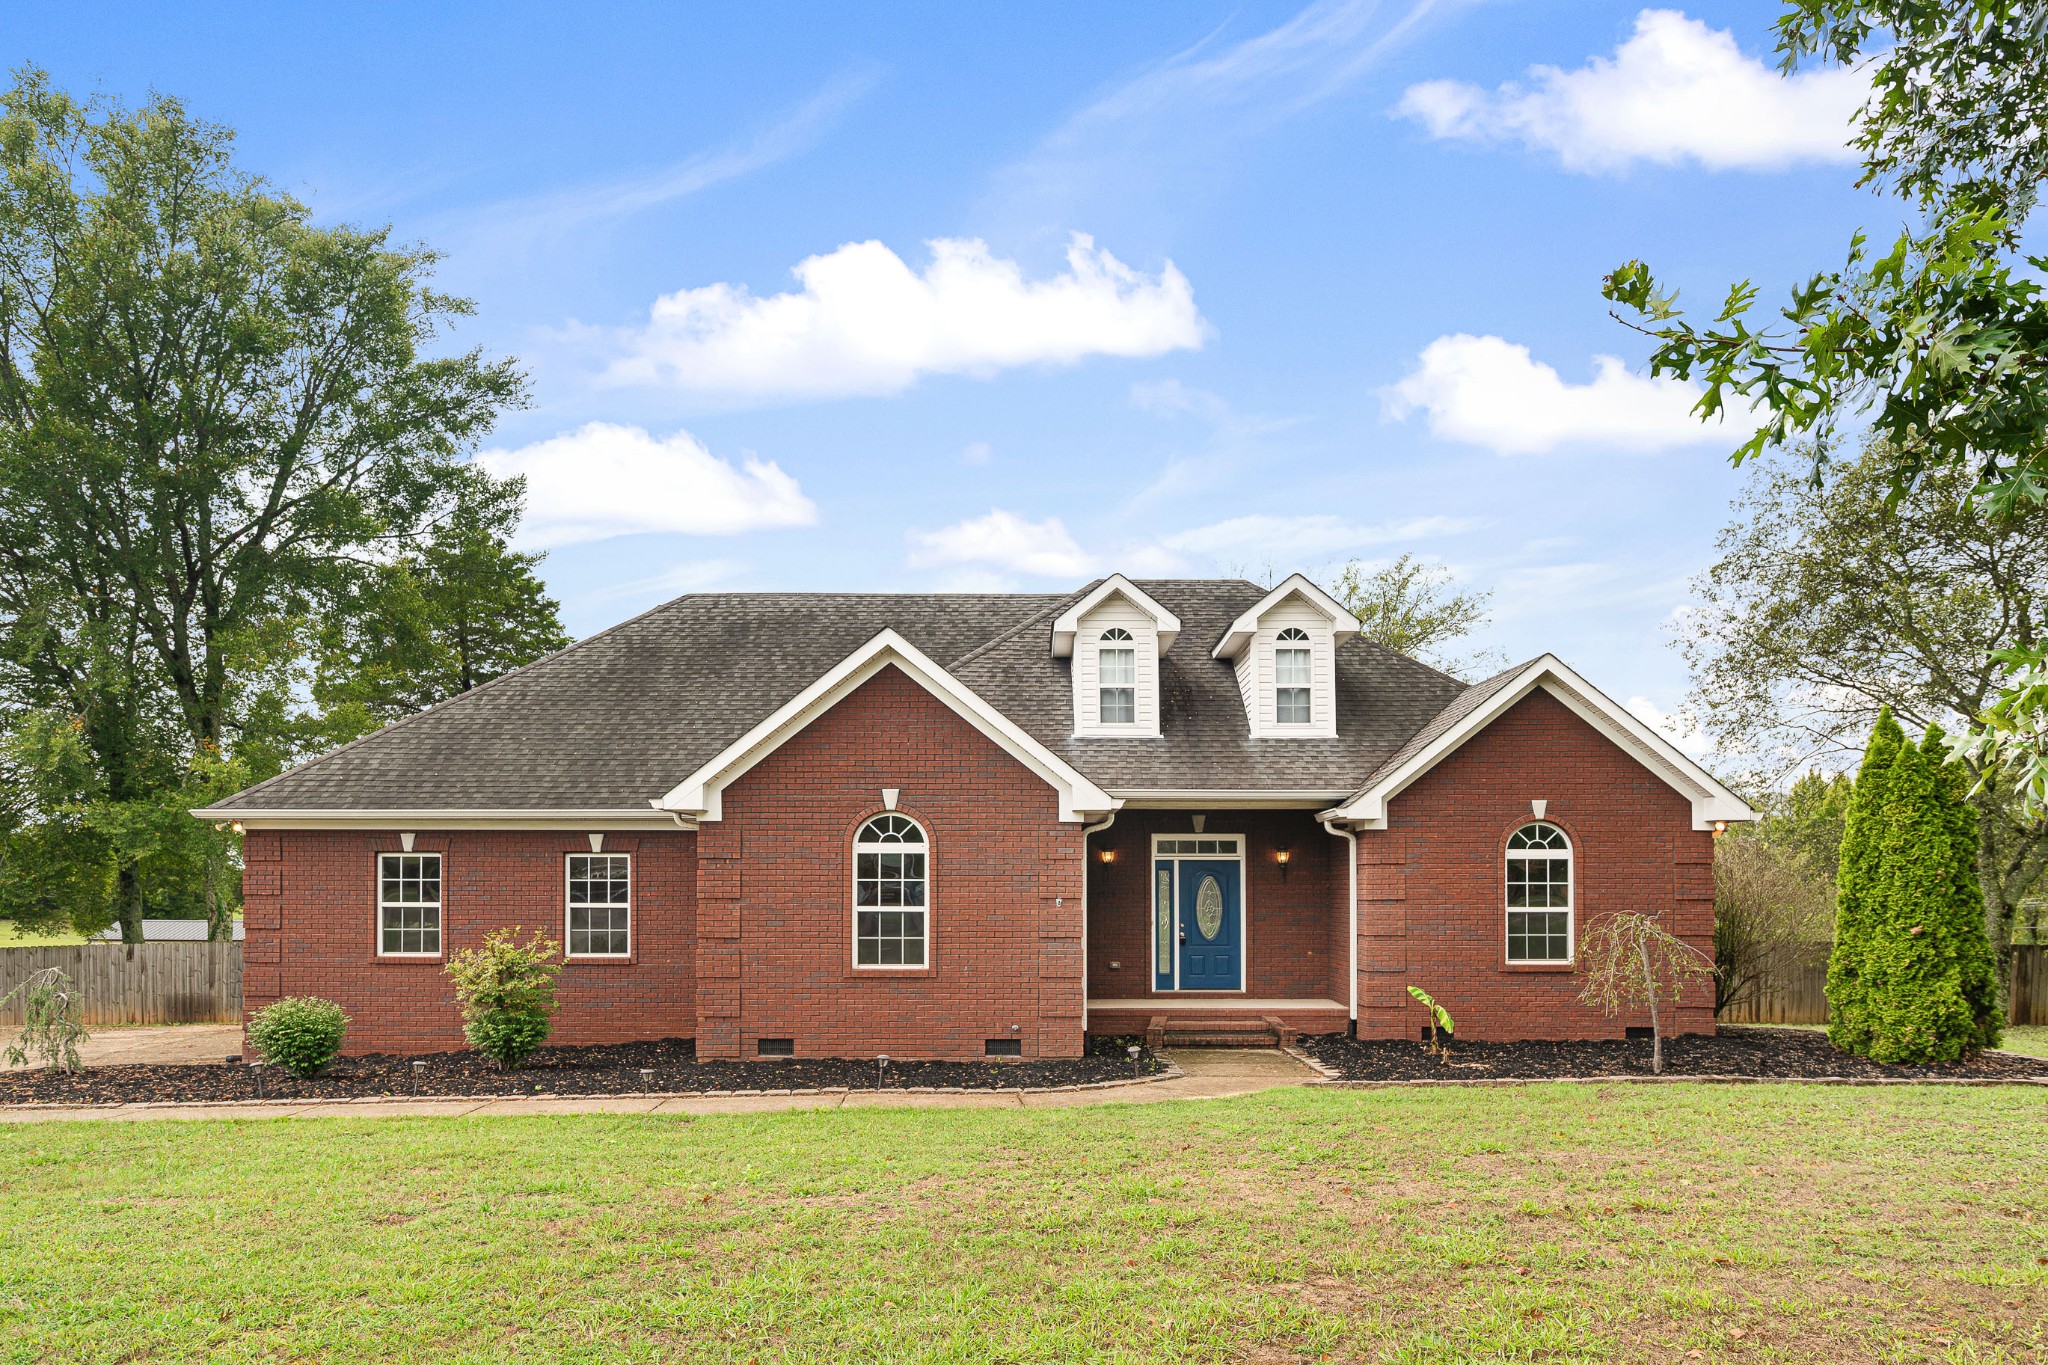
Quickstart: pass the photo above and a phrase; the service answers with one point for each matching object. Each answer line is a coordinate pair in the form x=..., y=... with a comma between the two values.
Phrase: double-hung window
x=600, y=904
x=1118, y=661
x=409, y=904
x=1539, y=894
x=889, y=904
x=1291, y=674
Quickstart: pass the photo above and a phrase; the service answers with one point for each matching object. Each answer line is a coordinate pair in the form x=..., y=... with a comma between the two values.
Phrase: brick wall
x=1290, y=943
x=309, y=912
x=1432, y=884
x=775, y=884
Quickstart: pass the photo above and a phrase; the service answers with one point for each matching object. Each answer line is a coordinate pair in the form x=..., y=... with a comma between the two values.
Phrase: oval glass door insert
x=1209, y=908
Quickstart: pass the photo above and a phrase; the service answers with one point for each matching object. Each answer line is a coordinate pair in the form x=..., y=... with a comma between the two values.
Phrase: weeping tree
x=1631, y=960
x=217, y=419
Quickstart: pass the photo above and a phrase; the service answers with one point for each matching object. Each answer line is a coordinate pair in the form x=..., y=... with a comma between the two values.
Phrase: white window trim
x=1118, y=639
x=1244, y=913
x=440, y=905
x=568, y=925
x=1304, y=644
x=1571, y=896
x=853, y=896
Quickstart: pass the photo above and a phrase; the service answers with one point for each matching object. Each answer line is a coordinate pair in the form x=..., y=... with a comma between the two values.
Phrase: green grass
x=1556, y=1222
x=13, y=935
x=2031, y=1039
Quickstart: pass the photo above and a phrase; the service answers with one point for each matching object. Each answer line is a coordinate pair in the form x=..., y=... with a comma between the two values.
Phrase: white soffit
x=1711, y=801
x=1342, y=622
x=698, y=796
x=438, y=819
x=1069, y=623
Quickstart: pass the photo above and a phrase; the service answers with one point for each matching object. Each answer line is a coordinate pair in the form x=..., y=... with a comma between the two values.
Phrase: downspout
x=1087, y=830
x=1352, y=943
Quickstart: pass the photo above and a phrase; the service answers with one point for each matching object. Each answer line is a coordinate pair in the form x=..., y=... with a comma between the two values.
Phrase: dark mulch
x=612, y=1069
x=1772, y=1053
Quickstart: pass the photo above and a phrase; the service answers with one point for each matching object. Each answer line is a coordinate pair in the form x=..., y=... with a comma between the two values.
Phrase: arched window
x=1291, y=678
x=1117, y=660
x=1539, y=894
x=889, y=879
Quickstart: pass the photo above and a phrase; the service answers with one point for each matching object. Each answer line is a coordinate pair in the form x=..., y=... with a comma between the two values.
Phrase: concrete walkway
x=1206, y=1074
x=159, y=1044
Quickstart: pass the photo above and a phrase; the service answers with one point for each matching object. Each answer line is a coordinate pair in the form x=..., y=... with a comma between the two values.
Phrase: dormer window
x=1292, y=672
x=1117, y=671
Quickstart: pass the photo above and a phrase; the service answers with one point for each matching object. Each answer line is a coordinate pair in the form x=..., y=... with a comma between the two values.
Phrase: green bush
x=507, y=993
x=301, y=1033
x=1912, y=977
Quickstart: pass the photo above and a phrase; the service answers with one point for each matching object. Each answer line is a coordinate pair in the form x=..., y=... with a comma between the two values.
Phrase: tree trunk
x=128, y=905
x=1656, y=1024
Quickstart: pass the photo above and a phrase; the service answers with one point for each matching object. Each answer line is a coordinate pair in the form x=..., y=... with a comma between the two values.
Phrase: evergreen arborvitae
x=1855, y=888
x=1911, y=978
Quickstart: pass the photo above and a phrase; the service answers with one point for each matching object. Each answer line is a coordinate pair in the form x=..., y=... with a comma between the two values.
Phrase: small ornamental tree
x=1629, y=960
x=1925, y=987
x=507, y=993
x=49, y=1021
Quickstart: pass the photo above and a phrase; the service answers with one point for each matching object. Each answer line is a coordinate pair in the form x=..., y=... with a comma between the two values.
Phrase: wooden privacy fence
x=1797, y=994
x=143, y=983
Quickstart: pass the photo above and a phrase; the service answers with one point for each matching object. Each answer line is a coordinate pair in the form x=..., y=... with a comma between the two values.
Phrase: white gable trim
x=699, y=795
x=1342, y=622
x=1711, y=802
x=1069, y=623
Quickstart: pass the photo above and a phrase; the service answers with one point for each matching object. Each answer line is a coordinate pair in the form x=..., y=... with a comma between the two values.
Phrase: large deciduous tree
x=1409, y=606
x=1830, y=602
x=216, y=417
x=1939, y=342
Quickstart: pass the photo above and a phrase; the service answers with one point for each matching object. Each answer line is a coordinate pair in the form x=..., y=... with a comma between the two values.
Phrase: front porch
x=1217, y=925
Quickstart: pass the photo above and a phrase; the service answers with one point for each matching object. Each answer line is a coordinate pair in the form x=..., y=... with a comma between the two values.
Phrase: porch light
x=1108, y=855
x=1281, y=855
x=1720, y=828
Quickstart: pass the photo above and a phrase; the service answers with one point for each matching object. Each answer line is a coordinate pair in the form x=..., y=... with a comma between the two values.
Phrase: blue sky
x=1216, y=286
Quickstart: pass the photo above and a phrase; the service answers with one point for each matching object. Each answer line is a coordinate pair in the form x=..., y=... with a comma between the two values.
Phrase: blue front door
x=1211, y=928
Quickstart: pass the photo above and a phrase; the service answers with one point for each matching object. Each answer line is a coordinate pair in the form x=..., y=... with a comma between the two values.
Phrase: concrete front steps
x=1232, y=1021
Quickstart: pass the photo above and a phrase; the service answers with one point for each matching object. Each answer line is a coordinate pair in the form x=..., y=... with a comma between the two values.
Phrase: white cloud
x=691, y=576
x=1679, y=729
x=864, y=322
x=1488, y=392
x=604, y=480
x=1310, y=536
x=1003, y=540
x=1675, y=91
x=977, y=453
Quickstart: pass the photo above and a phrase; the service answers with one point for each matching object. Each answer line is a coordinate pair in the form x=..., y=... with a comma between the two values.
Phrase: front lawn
x=1564, y=1222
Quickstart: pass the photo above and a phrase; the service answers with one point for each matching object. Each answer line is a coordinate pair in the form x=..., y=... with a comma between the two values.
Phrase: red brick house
x=969, y=825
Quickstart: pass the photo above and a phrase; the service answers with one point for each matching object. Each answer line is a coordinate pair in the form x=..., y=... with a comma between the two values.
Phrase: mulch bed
x=612, y=1069
x=1767, y=1053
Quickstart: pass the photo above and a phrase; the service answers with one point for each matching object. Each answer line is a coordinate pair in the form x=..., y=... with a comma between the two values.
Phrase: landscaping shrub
x=300, y=1033
x=1912, y=975
x=507, y=993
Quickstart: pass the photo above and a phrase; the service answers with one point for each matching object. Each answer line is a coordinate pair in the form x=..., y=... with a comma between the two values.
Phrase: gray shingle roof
x=616, y=720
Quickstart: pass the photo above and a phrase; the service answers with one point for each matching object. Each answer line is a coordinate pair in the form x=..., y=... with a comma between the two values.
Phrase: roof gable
x=1068, y=624
x=1240, y=632
x=1484, y=702
x=699, y=796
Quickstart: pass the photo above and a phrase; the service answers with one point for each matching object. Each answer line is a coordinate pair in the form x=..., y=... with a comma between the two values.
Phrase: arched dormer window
x=1117, y=665
x=1539, y=894
x=1292, y=670
x=890, y=877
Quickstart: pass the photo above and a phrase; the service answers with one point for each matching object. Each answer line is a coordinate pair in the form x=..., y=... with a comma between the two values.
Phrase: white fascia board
x=1342, y=622
x=282, y=818
x=1249, y=798
x=1069, y=623
x=1712, y=803
x=699, y=795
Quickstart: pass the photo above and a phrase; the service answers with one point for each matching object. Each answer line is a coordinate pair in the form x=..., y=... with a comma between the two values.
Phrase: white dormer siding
x=1311, y=621
x=1119, y=624
x=1140, y=639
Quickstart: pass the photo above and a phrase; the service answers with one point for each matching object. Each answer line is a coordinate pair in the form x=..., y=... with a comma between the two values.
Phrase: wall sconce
x=1108, y=855
x=1281, y=855
x=1720, y=828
